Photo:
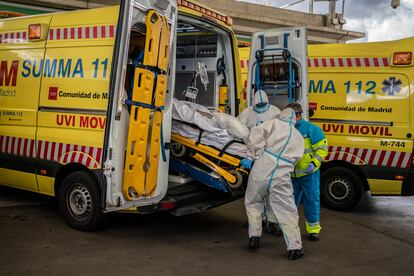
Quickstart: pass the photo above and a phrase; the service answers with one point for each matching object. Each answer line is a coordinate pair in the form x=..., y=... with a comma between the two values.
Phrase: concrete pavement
x=377, y=238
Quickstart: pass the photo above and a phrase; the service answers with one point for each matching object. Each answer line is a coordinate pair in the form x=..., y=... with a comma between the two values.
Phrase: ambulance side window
x=275, y=81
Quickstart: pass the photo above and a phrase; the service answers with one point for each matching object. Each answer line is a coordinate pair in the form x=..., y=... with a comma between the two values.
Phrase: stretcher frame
x=232, y=173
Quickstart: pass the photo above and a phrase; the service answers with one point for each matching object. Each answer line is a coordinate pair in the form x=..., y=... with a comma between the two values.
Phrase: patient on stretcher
x=215, y=129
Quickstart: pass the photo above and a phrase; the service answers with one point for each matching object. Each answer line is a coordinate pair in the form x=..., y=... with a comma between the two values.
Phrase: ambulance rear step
x=188, y=198
x=177, y=180
x=195, y=198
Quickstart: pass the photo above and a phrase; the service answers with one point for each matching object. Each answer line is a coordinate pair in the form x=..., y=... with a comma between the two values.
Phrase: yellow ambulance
x=362, y=96
x=86, y=102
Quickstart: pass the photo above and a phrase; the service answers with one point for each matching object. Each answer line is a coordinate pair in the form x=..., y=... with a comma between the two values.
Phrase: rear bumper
x=408, y=185
x=387, y=178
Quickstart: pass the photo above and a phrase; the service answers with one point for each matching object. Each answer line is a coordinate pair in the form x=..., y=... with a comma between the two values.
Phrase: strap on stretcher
x=138, y=63
x=223, y=150
x=156, y=109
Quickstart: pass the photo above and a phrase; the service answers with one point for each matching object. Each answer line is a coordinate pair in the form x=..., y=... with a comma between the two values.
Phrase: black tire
x=341, y=188
x=79, y=202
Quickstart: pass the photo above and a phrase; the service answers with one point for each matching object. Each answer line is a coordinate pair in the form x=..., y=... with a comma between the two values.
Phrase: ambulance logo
x=53, y=92
x=391, y=86
x=313, y=106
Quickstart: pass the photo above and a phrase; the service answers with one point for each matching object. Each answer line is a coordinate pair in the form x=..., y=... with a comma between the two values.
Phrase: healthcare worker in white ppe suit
x=261, y=111
x=274, y=146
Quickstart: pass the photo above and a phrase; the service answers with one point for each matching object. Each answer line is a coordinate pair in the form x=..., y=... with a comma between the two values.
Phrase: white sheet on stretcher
x=202, y=117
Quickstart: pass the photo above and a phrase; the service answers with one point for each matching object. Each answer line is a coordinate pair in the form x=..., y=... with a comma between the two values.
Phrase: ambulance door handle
x=409, y=135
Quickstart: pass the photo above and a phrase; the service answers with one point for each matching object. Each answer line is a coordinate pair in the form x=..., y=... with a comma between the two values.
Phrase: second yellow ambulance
x=362, y=97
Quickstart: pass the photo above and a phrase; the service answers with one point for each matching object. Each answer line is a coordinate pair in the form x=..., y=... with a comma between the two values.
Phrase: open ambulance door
x=278, y=65
x=139, y=113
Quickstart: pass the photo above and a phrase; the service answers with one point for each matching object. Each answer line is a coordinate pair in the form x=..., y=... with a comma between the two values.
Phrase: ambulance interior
x=275, y=78
x=204, y=62
x=200, y=149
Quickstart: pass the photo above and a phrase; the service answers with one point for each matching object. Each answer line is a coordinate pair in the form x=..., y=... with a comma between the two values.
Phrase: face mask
x=261, y=105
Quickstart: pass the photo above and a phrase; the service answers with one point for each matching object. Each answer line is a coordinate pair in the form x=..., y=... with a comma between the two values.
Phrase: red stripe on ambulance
x=87, y=32
x=13, y=37
x=349, y=62
x=53, y=151
x=360, y=156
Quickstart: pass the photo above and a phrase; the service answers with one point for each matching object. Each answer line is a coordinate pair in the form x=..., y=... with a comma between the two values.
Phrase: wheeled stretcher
x=207, y=164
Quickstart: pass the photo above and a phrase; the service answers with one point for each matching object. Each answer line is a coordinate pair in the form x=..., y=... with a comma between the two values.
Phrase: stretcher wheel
x=178, y=150
x=239, y=179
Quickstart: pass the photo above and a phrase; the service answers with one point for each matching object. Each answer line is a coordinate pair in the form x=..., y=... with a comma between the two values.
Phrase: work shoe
x=273, y=228
x=313, y=237
x=254, y=242
x=295, y=254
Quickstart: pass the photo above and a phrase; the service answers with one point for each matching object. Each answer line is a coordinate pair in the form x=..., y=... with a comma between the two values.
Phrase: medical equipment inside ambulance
x=201, y=70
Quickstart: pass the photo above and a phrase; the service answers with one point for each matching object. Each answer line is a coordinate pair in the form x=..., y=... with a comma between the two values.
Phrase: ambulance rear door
x=140, y=104
x=278, y=65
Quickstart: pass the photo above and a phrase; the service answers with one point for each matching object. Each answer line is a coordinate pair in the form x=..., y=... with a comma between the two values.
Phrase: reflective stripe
x=313, y=228
x=324, y=147
x=300, y=172
x=317, y=157
x=308, y=150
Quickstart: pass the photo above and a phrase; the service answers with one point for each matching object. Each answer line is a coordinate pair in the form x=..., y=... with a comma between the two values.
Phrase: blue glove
x=309, y=169
x=246, y=163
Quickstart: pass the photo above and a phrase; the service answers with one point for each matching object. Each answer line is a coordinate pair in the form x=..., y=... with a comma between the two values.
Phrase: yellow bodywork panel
x=46, y=185
x=154, y=25
x=154, y=155
x=134, y=177
x=164, y=46
x=385, y=187
x=205, y=149
x=18, y=179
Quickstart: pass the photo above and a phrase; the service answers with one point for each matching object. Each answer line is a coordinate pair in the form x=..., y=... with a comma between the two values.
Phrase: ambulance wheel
x=178, y=150
x=341, y=189
x=79, y=202
x=239, y=179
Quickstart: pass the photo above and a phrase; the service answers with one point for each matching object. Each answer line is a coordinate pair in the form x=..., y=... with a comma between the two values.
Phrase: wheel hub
x=79, y=201
x=339, y=188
